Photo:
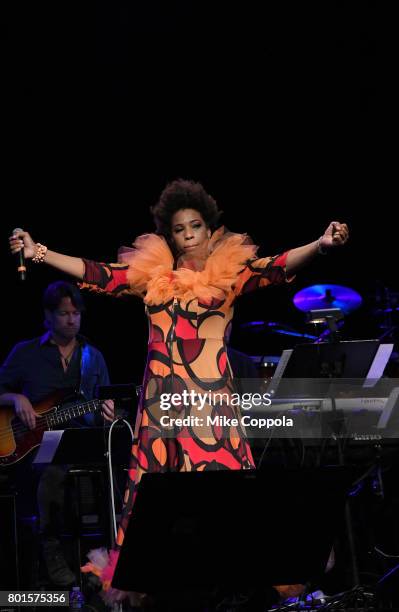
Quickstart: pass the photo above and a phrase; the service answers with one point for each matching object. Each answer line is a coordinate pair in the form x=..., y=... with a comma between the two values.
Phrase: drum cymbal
x=327, y=296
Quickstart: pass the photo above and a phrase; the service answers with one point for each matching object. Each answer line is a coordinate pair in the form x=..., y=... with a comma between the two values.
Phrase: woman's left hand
x=108, y=410
x=335, y=235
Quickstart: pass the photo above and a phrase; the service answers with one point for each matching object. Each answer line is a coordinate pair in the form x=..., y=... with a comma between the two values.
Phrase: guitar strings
x=22, y=428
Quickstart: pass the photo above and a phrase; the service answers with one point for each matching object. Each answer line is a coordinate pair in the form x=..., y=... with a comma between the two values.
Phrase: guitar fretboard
x=62, y=415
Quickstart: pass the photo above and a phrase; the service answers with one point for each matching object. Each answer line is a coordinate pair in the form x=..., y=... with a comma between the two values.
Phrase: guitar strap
x=86, y=357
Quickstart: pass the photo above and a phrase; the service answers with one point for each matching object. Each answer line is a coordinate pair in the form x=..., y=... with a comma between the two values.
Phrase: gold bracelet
x=40, y=253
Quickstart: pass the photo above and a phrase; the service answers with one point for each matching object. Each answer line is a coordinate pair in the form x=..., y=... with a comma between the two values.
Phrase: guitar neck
x=61, y=415
x=17, y=440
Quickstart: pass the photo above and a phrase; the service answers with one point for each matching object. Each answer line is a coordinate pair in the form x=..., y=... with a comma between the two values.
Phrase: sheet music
x=49, y=445
x=378, y=366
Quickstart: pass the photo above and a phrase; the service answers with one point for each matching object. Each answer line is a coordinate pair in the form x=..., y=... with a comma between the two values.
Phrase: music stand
x=312, y=365
x=83, y=445
x=208, y=529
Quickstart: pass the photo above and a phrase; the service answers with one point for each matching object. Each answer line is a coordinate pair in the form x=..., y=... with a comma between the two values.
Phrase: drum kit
x=324, y=307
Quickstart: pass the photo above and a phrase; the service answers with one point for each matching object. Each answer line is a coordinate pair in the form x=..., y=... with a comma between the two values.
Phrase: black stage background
x=284, y=114
x=284, y=111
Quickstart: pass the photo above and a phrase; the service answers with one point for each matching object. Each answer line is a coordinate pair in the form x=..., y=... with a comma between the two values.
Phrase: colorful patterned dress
x=189, y=304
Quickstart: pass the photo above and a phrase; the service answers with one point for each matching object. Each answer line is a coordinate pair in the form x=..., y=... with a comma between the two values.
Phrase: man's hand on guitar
x=24, y=411
x=108, y=410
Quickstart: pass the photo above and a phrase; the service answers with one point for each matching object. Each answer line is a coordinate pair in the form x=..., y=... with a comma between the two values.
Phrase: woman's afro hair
x=181, y=194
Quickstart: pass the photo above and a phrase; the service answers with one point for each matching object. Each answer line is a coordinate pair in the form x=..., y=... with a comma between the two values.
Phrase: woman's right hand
x=23, y=240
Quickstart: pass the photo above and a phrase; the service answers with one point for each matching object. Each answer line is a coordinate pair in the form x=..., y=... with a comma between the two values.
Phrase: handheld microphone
x=21, y=269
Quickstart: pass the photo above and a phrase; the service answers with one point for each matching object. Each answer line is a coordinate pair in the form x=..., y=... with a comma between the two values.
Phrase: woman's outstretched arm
x=110, y=278
x=265, y=271
x=71, y=265
x=335, y=235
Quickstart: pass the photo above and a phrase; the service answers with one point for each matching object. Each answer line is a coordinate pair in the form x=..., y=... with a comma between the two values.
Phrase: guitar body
x=17, y=440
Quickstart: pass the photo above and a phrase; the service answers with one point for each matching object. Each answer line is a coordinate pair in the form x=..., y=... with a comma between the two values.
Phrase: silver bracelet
x=320, y=249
